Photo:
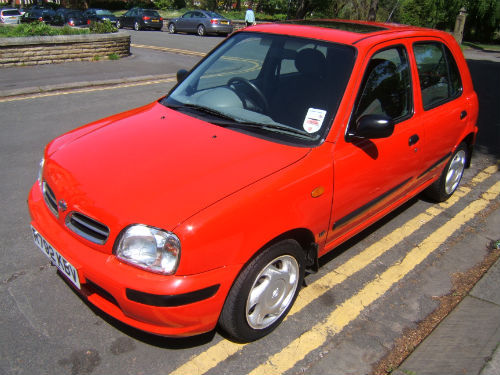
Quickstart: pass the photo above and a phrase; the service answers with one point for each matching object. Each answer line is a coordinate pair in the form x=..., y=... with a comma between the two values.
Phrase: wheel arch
x=469, y=141
x=305, y=239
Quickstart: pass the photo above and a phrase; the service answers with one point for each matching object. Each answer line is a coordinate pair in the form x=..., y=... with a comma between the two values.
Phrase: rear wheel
x=201, y=30
x=118, y=25
x=451, y=176
x=137, y=26
x=264, y=292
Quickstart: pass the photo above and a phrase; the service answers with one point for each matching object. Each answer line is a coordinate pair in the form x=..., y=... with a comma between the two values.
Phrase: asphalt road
x=365, y=295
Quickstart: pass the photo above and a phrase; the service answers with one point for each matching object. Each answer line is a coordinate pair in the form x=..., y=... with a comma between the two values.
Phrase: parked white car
x=9, y=15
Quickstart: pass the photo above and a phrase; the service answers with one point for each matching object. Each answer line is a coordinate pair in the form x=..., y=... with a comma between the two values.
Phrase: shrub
x=38, y=29
x=104, y=27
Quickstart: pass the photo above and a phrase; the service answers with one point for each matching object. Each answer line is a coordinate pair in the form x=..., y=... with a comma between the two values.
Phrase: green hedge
x=41, y=29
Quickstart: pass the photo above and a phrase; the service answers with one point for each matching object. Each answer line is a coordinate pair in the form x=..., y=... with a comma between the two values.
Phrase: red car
x=207, y=207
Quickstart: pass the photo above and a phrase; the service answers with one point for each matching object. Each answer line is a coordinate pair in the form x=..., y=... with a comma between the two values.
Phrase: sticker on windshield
x=314, y=120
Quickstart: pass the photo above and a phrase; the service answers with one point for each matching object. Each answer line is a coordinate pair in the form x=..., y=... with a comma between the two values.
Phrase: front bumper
x=163, y=305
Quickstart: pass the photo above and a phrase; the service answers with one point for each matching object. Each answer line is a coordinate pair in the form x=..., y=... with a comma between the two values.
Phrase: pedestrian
x=249, y=17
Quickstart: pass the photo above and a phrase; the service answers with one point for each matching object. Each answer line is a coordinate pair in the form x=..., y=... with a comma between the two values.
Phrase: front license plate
x=57, y=259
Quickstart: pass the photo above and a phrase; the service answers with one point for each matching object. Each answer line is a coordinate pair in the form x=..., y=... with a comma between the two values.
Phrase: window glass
x=386, y=88
x=438, y=74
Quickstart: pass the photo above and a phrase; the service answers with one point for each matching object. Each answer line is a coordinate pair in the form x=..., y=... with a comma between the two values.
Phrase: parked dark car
x=70, y=17
x=201, y=22
x=38, y=14
x=139, y=19
x=100, y=15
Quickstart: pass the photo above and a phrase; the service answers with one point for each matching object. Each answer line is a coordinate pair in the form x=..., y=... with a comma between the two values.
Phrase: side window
x=386, y=87
x=438, y=74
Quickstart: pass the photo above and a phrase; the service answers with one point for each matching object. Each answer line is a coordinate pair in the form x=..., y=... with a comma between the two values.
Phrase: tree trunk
x=372, y=13
x=302, y=9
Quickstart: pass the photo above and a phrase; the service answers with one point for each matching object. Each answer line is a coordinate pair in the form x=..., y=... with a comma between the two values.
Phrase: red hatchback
x=207, y=206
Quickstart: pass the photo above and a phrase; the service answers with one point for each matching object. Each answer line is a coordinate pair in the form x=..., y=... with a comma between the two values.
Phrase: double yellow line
x=171, y=50
x=349, y=310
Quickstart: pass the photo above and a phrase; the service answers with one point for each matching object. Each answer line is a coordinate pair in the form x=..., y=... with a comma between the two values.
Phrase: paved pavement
x=467, y=341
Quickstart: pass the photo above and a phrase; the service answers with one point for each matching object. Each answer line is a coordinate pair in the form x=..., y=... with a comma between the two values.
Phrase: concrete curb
x=81, y=85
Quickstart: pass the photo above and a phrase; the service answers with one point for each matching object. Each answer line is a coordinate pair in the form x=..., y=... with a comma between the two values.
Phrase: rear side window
x=386, y=88
x=438, y=73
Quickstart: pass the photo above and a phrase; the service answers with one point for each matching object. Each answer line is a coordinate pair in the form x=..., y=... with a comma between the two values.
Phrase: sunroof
x=360, y=28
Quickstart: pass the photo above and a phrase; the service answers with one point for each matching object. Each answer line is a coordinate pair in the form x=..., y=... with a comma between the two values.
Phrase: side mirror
x=373, y=127
x=181, y=75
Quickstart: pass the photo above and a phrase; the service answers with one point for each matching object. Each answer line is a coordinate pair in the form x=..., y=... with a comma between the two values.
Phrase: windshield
x=276, y=86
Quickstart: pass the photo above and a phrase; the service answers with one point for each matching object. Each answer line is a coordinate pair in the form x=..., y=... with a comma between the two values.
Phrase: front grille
x=87, y=227
x=50, y=198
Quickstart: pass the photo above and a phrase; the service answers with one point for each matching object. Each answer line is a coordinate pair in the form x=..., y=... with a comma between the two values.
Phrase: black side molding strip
x=160, y=300
x=367, y=206
x=434, y=165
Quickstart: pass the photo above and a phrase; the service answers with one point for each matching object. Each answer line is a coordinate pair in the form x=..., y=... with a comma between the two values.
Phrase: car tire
x=201, y=30
x=263, y=292
x=171, y=28
x=118, y=25
x=450, y=178
x=137, y=26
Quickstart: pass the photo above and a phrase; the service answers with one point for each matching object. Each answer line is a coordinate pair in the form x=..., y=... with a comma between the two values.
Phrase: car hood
x=156, y=166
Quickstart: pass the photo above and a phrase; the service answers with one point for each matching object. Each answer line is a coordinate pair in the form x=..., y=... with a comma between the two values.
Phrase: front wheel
x=264, y=292
x=451, y=176
x=171, y=28
x=118, y=25
x=201, y=30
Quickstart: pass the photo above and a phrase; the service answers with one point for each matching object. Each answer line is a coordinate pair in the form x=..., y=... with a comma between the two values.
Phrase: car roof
x=346, y=31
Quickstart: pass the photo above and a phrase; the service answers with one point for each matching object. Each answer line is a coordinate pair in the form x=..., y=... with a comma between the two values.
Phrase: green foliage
x=113, y=56
x=104, y=27
x=170, y=4
x=38, y=29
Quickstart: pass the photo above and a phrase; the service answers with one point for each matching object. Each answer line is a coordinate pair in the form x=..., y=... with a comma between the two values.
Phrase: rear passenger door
x=442, y=106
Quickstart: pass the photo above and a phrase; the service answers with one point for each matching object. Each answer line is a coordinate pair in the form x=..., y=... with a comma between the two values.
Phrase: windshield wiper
x=198, y=108
x=230, y=122
x=276, y=128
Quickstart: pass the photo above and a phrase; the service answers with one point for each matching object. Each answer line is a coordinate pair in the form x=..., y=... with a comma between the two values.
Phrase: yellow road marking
x=90, y=89
x=167, y=49
x=217, y=353
x=350, y=309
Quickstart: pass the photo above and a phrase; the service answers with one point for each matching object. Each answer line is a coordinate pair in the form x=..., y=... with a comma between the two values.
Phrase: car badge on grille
x=63, y=206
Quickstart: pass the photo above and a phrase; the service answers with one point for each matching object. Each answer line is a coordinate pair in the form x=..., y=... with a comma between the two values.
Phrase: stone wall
x=62, y=48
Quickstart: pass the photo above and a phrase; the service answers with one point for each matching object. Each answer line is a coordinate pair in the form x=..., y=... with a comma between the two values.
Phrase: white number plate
x=57, y=259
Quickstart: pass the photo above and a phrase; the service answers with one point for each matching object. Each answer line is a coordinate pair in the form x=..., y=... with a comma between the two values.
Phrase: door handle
x=463, y=115
x=413, y=139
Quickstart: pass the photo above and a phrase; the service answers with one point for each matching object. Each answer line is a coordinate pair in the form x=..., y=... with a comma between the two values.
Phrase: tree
x=372, y=12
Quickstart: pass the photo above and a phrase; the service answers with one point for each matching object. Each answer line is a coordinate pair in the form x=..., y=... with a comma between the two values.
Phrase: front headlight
x=149, y=248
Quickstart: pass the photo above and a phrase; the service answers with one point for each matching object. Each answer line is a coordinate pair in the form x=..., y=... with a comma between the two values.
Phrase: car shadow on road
x=486, y=79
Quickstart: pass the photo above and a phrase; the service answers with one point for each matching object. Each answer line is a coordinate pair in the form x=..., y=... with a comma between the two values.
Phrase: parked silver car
x=201, y=22
x=9, y=15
